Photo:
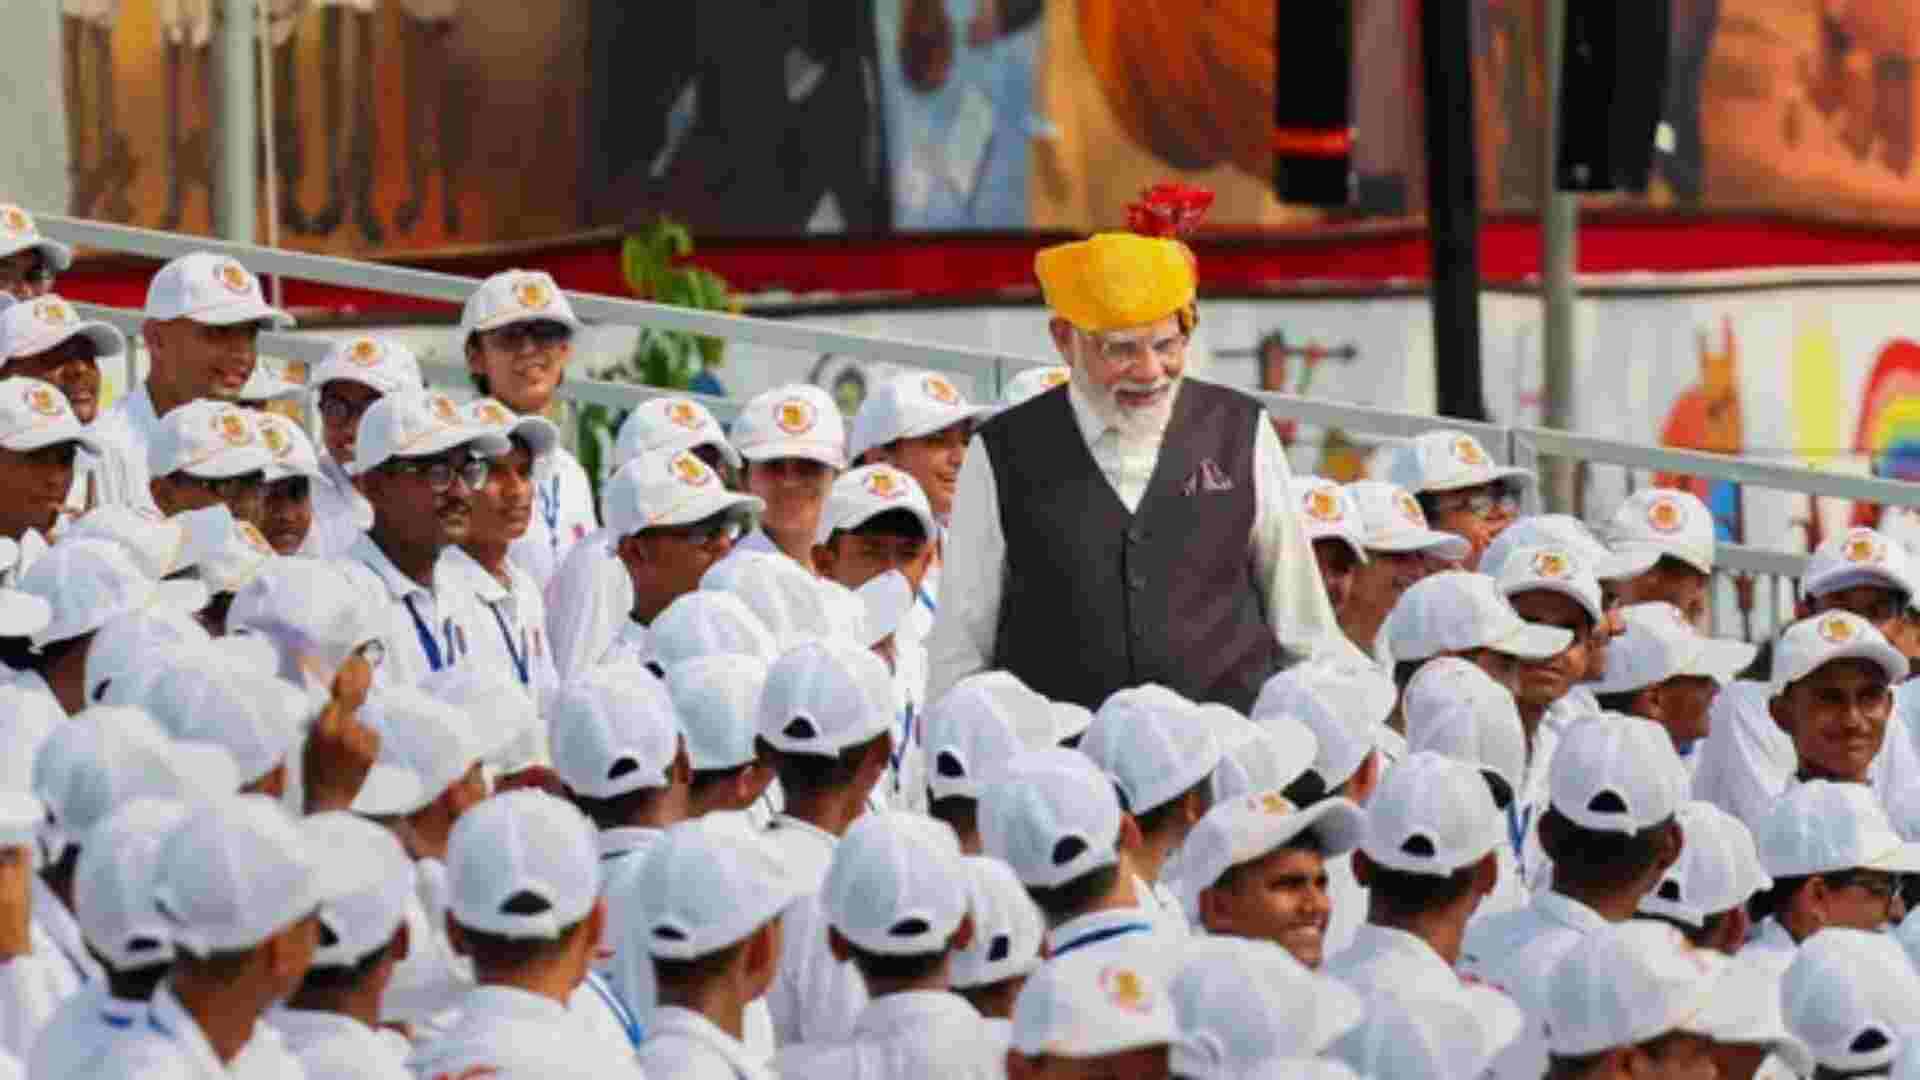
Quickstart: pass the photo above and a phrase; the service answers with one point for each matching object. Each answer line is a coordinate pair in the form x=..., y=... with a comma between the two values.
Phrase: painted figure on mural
x=101, y=158
x=347, y=30
x=186, y=29
x=436, y=113
x=1680, y=156
x=1860, y=77
x=1706, y=417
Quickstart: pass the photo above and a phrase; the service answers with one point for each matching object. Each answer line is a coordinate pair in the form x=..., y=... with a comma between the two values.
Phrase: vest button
x=1137, y=582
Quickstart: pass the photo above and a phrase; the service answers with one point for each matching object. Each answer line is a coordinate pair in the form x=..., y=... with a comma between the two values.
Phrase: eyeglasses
x=340, y=410
x=704, y=533
x=291, y=488
x=541, y=333
x=1126, y=352
x=1481, y=504
x=440, y=472
x=1882, y=887
x=246, y=486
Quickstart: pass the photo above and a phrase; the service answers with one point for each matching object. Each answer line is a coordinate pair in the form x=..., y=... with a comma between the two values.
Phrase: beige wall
x=33, y=139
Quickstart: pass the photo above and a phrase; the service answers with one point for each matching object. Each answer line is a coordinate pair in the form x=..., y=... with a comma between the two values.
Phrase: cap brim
x=244, y=311
x=539, y=432
x=57, y=253
x=52, y=435
x=1652, y=551
x=719, y=502
x=345, y=372
x=961, y=415
x=236, y=462
x=1903, y=859
x=1353, y=542
x=107, y=341
x=511, y=318
x=1721, y=660
x=807, y=450
x=1338, y=824
x=828, y=528
x=1446, y=545
x=486, y=444
x=390, y=791
x=280, y=470
x=1568, y=589
x=1531, y=641
x=23, y=614
x=1849, y=576
x=1495, y=474
x=1875, y=650
x=1622, y=565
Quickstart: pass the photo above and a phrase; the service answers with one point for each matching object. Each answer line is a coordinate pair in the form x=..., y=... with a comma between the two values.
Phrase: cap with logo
x=1149, y=740
x=672, y=912
x=254, y=716
x=1457, y=611
x=1392, y=523
x=293, y=453
x=1327, y=512
x=717, y=698
x=1814, y=642
x=32, y=327
x=897, y=886
x=793, y=421
x=665, y=488
x=1718, y=870
x=1626, y=984
x=19, y=233
x=1454, y=708
x=426, y=746
x=825, y=697
x=1569, y=534
x=1660, y=644
x=1616, y=774
x=1052, y=815
x=234, y=873
x=1008, y=928
x=1819, y=827
x=273, y=382
x=35, y=415
x=1095, y=1003
x=1432, y=815
x=1448, y=460
x=1434, y=1032
x=985, y=721
x=1254, y=826
x=1267, y=756
x=377, y=363
x=309, y=611
x=214, y=290
x=1243, y=1002
x=670, y=422
x=1549, y=569
x=516, y=296
x=910, y=405
x=416, y=424
x=160, y=546
x=1029, y=383
x=1858, y=557
x=614, y=731
x=370, y=879
x=113, y=883
x=785, y=596
x=208, y=439
x=538, y=432
x=242, y=555
x=1661, y=522
x=1852, y=998
x=1345, y=705
x=522, y=865
x=860, y=495
x=89, y=582
x=707, y=622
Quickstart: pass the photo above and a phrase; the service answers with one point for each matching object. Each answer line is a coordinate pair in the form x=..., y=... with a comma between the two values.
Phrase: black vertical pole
x=1453, y=205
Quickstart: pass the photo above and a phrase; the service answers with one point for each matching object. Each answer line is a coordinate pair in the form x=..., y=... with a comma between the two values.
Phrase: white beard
x=1137, y=428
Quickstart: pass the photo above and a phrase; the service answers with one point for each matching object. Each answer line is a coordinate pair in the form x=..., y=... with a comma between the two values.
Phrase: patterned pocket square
x=1212, y=478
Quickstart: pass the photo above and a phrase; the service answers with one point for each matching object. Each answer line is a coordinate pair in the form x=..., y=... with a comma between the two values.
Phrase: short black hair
x=1620, y=701
x=961, y=812
x=815, y=774
x=1405, y=894
x=1605, y=859
x=490, y=950
x=872, y=965
x=615, y=811
x=1156, y=819
x=698, y=969
x=900, y=523
x=336, y=977
x=1069, y=900
x=704, y=779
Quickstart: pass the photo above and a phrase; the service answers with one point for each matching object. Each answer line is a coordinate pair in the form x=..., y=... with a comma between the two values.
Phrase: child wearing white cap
x=1459, y=487
x=1162, y=757
x=1835, y=860
x=1464, y=614
x=1853, y=1000
x=794, y=442
x=253, y=715
x=286, y=505
x=1256, y=868
x=985, y=721
x=1005, y=950
x=710, y=961
x=896, y=901
x=516, y=332
x=1401, y=550
x=1095, y=1013
x=617, y=746
x=357, y=372
x=1241, y=1004
x=40, y=440
x=716, y=698
x=1333, y=526
x=28, y=260
x=418, y=458
x=1705, y=893
x=1663, y=669
x=1668, y=536
x=1259, y=757
x=45, y=338
x=1552, y=584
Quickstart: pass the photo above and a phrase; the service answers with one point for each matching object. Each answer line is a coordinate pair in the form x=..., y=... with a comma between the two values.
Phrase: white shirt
x=563, y=515
x=63, y=930
x=907, y=785
x=1349, y=900
x=522, y=1034
x=1385, y=960
x=340, y=512
x=171, y=1046
x=974, y=575
x=605, y=1015
x=587, y=601
x=112, y=474
x=684, y=1045
x=633, y=644
x=922, y=1033
x=86, y=1028
x=423, y=629
x=126, y=432
x=814, y=997
x=1771, y=947
x=511, y=633
x=431, y=981
x=808, y=850
x=1162, y=907
x=310, y=1035
x=1516, y=952
x=32, y=989
x=1117, y=928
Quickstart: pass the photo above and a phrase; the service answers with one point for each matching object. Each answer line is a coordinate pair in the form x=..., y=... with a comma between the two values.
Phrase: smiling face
x=1280, y=897
x=522, y=363
x=934, y=461
x=73, y=367
x=36, y=483
x=503, y=507
x=192, y=360
x=1837, y=717
x=1129, y=377
x=1543, y=682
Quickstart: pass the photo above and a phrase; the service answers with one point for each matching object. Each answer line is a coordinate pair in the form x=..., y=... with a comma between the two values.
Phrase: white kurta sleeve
x=1297, y=604
x=972, y=579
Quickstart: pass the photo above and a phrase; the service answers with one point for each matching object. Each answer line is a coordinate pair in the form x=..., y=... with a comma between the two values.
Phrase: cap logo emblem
x=16, y=220
x=232, y=427
x=43, y=400
x=940, y=390
x=532, y=293
x=883, y=484
x=1551, y=564
x=1864, y=547
x=53, y=312
x=492, y=414
x=1272, y=802
x=794, y=416
x=1322, y=504
x=1665, y=516
x=254, y=539
x=691, y=471
x=1467, y=452
x=1836, y=630
x=1055, y=377
x=234, y=277
x=276, y=440
x=1410, y=509
x=444, y=410
x=683, y=414
x=295, y=371
x=365, y=352
x=1126, y=989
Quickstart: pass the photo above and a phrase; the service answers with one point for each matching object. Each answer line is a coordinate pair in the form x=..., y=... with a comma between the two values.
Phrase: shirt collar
x=1564, y=910
x=170, y=1019
x=494, y=1002
x=399, y=585
x=789, y=823
x=1094, y=923
x=484, y=585
x=139, y=411
x=626, y=840
x=903, y=1013
x=1372, y=939
x=304, y=1027
x=695, y=1027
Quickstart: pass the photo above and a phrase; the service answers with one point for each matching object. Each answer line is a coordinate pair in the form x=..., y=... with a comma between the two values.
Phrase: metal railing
x=1776, y=571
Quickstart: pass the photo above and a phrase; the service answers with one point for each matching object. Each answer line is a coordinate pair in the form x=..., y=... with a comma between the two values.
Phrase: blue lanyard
x=519, y=655
x=427, y=642
x=1517, y=828
x=550, y=510
x=926, y=601
x=1098, y=936
x=906, y=738
x=635, y=1034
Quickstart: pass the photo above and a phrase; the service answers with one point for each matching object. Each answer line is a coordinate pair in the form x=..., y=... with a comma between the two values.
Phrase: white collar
x=60, y=925
x=1564, y=910
x=1372, y=939
x=495, y=1002
x=171, y=1020
x=626, y=840
x=481, y=580
x=398, y=585
x=903, y=1013
x=695, y=1027
x=789, y=824
x=139, y=410
x=304, y=1027
x=1099, y=926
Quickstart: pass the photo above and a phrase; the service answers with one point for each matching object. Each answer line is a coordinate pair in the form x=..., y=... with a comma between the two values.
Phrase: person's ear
x=962, y=935
x=1733, y=930
x=401, y=944
x=596, y=929
x=475, y=363
x=1193, y=805
x=1131, y=839
x=762, y=959
x=1214, y=914
x=1486, y=874
x=1777, y=708
x=1671, y=840
x=1363, y=869
x=1649, y=705
x=827, y=558
x=680, y=772
x=457, y=937
x=840, y=947
x=1062, y=333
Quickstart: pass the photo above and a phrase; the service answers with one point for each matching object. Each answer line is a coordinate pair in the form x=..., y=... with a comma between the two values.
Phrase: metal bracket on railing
x=1522, y=453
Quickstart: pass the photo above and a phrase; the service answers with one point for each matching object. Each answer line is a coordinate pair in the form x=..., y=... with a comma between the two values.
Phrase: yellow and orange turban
x=1114, y=281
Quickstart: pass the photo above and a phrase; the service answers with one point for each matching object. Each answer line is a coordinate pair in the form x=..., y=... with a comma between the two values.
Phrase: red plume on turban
x=1169, y=211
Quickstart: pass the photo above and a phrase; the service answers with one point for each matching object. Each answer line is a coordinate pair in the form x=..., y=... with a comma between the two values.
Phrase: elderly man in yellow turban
x=1134, y=525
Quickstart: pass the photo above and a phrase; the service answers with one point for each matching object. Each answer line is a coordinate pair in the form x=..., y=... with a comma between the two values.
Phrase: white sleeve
x=1297, y=604
x=971, y=579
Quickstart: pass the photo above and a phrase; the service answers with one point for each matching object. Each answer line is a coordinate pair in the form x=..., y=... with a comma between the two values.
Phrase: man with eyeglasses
x=28, y=261
x=1134, y=525
x=45, y=338
x=356, y=373
x=517, y=332
x=419, y=458
x=672, y=519
x=208, y=453
x=1460, y=488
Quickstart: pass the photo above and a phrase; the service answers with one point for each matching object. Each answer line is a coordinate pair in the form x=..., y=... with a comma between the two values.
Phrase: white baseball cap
x=613, y=731
x=113, y=883
x=254, y=716
x=213, y=290
x=538, y=432
x=786, y=596
x=160, y=546
x=707, y=622
x=244, y=553
x=717, y=698
x=1852, y=998
x=310, y=612
x=1432, y=815
x=234, y=873
x=896, y=886
x=1255, y=826
x=792, y=421
x=986, y=720
x=1448, y=460
x=1567, y=533
x=87, y=583
x=21, y=817
x=1814, y=642
x=107, y=756
x=672, y=906
x=1052, y=815
x=28, y=718
x=522, y=842
x=1095, y=1003
x=377, y=363
x=860, y=495
x=1392, y=522
x=1629, y=983
x=370, y=880
x=1029, y=383
x=35, y=415
x=673, y=423
x=1149, y=740
x=18, y=233
x=1718, y=870
x=1327, y=512
x=824, y=697
x=1660, y=644
x=1242, y=1002
x=31, y=327
x=271, y=383
x=1454, y=708
x=1433, y=1032
x=1857, y=557
x=1345, y=705
x=1549, y=569
x=1656, y=522
x=418, y=423
x=501, y=712
x=22, y=614
x=908, y=406
x=1256, y=758
x=293, y=453
x=207, y=438
x=1457, y=610
x=1617, y=774
x=668, y=487
x=426, y=745
x=1819, y=827
x=1008, y=928
x=1071, y=720
x=516, y=296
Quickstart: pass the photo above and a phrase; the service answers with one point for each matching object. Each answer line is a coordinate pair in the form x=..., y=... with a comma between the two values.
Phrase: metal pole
x=1453, y=206
x=269, y=147
x=1559, y=255
x=234, y=201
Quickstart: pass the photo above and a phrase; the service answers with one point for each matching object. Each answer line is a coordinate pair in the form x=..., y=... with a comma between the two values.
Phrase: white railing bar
x=303, y=347
x=1371, y=421
x=614, y=395
x=1746, y=559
